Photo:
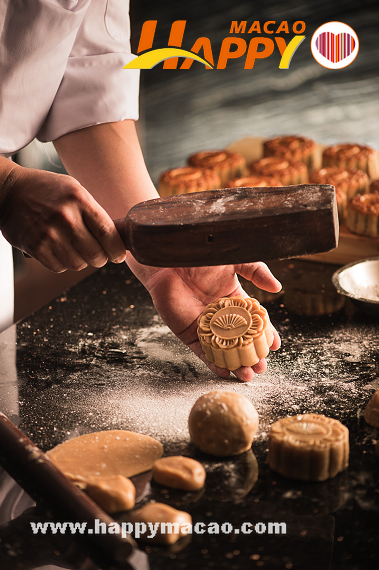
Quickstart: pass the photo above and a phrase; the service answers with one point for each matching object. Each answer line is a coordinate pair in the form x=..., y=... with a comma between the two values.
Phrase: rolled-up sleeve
x=95, y=88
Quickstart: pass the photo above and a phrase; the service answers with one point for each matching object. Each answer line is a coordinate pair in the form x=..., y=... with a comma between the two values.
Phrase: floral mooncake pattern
x=309, y=447
x=235, y=332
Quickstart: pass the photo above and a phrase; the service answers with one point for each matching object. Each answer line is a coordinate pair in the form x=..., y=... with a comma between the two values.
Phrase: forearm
x=7, y=167
x=107, y=160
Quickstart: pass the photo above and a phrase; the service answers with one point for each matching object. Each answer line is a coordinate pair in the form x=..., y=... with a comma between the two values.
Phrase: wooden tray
x=351, y=247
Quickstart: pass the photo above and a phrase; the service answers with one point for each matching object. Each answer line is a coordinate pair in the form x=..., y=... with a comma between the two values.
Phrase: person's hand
x=181, y=294
x=54, y=219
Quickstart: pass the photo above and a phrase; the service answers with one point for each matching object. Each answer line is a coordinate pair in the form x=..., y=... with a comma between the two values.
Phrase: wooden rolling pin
x=231, y=226
x=47, y=485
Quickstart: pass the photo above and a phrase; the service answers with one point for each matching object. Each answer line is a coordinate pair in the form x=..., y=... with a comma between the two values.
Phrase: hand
x=181, y=294
x=54, y=219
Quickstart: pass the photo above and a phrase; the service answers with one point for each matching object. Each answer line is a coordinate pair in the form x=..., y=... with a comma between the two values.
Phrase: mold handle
x=121, y=227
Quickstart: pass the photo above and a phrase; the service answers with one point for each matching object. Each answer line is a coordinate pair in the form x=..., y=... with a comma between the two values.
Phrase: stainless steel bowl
x=360, y=282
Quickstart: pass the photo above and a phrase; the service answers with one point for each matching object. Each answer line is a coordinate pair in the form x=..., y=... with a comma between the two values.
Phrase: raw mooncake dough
x=113, y=494
x=154, y=513
x=179, y=472
x=309, y=447
x=234, y=332
x=223, y=423
x=95, y=462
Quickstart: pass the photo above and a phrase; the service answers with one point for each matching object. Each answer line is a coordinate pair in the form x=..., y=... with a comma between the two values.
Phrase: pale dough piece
x=309, y=447
x=106, y=454
x=113, y=494
x=235, y=332
x=372, y=410
x=179, y=472
x=223, y=423
x=165, y=518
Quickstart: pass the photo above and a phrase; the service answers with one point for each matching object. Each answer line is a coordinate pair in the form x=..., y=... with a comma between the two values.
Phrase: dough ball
x=223, y=423
x=179, y=472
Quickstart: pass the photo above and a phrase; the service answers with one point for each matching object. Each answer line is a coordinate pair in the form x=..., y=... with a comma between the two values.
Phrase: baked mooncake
x=235, y=332
x=186, y=180
x=226, y=164
x=347, y=182
x=352, y=156
x=363, y=214
x=287, y=171
x=253, y=182
x=374, y=187
x=293, y=148
x=309, y=447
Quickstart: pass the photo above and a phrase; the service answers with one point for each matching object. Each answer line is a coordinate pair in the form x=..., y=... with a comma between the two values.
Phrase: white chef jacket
x=61, y=69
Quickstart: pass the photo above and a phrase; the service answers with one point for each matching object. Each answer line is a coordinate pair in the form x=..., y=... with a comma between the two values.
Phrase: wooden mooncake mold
x=234, y=332
x=309, y=447
x=253, y=182
x=348, y=181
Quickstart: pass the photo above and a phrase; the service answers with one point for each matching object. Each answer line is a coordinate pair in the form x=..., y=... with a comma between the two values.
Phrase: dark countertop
x=99, y=357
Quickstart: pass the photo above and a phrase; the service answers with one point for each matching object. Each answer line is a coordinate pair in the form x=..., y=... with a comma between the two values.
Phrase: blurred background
x=185, y=111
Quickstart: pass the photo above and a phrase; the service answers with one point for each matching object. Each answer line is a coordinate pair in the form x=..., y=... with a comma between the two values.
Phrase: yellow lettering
x=175, y=40
x=281, y=43
x=207, y=50
x=289, y=51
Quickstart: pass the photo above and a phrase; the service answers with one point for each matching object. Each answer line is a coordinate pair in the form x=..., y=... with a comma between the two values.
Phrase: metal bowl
x=360, y=282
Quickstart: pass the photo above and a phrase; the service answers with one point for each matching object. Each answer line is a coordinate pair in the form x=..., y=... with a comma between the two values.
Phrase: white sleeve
x=95, y=88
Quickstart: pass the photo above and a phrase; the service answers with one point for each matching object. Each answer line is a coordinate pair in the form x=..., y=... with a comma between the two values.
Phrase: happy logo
x=335, y=48
x=335, y=45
